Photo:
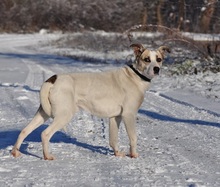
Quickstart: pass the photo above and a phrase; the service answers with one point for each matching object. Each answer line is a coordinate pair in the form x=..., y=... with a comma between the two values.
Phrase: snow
x=202, y=37
x=178, y=127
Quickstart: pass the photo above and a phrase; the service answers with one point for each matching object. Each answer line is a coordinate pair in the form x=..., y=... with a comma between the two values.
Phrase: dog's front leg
x=113, y=135
x=129, y=121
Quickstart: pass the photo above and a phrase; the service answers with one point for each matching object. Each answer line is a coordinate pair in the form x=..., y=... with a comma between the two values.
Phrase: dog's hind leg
x=39, y=118
x=113, y=135
x=58, y=123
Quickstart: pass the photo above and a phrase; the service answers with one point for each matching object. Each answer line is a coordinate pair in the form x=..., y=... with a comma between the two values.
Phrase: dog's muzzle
x=156, y=70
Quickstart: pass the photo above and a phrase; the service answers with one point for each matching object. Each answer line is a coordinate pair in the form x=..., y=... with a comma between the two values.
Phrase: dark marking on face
x=158, y=59
x=147, y=59
x=52, y=79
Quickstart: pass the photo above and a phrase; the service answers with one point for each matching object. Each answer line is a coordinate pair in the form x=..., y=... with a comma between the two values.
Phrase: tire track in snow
x=189, y=104
x=18, y=96
x=185, y=139
x=36, y=75
x=25, y=97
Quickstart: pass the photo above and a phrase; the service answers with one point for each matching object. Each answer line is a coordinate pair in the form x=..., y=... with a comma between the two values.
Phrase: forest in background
x=26, y=16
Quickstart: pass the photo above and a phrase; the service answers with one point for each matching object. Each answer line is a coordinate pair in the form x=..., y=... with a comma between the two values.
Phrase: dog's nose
x=156, y=70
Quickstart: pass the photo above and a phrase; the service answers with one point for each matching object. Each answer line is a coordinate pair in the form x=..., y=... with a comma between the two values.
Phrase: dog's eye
x=147, y=59
x=159, y=59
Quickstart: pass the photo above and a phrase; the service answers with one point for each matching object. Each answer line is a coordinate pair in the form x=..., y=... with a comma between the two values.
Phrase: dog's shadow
x=8, y=138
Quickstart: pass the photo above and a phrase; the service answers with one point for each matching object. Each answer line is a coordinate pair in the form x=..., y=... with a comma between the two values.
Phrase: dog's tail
x=44, y=94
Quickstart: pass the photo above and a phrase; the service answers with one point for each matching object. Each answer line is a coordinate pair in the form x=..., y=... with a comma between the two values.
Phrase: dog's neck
x=139, y=74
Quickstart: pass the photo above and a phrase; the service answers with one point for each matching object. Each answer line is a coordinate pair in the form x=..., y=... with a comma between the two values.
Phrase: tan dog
x=116, y=95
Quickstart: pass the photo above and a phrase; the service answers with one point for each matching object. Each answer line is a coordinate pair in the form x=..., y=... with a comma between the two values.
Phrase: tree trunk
x=207, y=15
x=181, y=14
x=159, y=16
x=144, y=20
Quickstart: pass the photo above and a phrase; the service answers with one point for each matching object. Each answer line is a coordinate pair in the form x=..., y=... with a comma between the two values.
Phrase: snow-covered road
x=178, y=131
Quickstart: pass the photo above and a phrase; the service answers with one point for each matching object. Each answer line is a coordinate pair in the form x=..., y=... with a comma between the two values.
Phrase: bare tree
x=181, y=14
x=145, y=11
x=159, y=16
x=207, y=15
x=114, y=15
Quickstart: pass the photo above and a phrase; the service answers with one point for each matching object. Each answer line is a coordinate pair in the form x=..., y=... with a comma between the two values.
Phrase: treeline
x=115, y=15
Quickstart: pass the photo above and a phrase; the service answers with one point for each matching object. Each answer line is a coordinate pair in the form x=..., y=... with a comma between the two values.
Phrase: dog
x=115, y=94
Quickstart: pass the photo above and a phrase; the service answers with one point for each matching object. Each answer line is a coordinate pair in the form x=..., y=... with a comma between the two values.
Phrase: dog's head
x=149, y=62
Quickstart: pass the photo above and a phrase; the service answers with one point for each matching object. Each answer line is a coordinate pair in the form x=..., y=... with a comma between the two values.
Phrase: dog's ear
x=164, y=49
x=138, y=49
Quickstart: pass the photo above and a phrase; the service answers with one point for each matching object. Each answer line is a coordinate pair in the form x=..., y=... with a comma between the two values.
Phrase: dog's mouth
x=150, y=73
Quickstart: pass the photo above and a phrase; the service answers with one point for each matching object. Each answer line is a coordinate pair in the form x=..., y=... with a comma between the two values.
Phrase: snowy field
x=178, y=128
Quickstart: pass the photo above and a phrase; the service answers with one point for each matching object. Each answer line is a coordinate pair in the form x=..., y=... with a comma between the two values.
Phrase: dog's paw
x=15, y=152
x=119, y=154
x=49, y=157
x=133, y=155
